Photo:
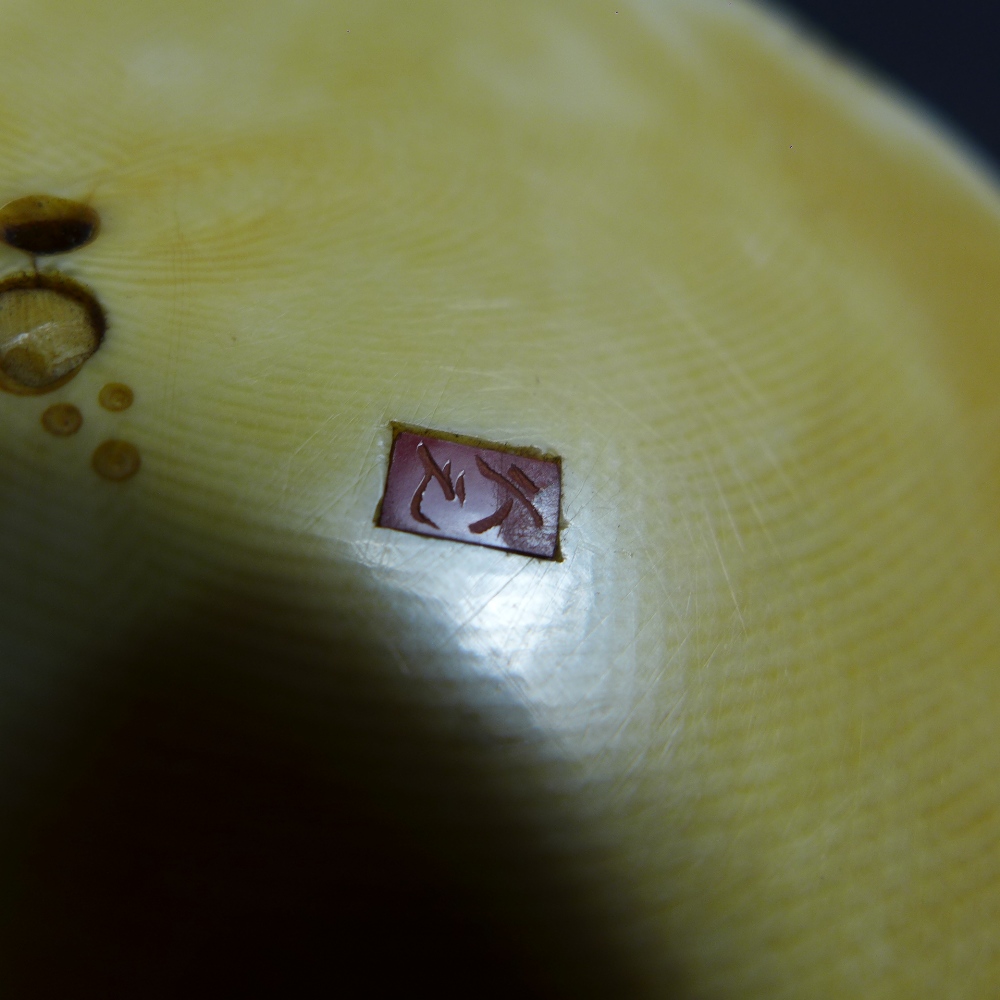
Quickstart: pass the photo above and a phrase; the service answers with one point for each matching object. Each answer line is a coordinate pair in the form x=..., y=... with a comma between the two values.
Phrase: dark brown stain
x=34, y=379
x=116, y=396
x=62, y=419
x=41, y=224
x=116, y=460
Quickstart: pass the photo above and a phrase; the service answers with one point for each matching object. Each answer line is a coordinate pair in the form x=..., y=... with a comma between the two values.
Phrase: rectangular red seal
x=448, y=487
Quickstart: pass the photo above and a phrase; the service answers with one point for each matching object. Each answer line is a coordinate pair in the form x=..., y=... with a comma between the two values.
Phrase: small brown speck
x=62, y=419
x=116, y=396
x=116, y=460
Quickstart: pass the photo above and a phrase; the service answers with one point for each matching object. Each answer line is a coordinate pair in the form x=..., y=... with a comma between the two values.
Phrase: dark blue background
x=946, y=53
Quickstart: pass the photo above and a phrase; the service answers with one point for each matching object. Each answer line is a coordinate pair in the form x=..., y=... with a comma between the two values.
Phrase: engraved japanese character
x=432, y=471
x=519, y=486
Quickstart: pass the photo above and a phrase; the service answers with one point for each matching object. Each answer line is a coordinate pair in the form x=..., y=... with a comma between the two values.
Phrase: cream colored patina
x=747, y=726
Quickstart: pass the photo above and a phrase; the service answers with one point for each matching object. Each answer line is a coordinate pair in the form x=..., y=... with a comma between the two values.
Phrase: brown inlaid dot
x=116, y=396
x=43, y=336
x=62, y=419
x=42, y=224
x=49, y=326
x=116, y=460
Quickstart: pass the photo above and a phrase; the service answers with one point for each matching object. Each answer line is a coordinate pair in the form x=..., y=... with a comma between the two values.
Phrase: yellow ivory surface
x=747, y=726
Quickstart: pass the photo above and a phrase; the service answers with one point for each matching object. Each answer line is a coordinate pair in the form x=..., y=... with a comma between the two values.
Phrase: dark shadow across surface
x=241, y=810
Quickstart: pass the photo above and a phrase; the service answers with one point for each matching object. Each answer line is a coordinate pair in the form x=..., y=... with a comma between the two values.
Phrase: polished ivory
x=741, y=740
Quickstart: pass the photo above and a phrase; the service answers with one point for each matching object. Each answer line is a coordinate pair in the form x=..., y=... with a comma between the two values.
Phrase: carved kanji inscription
x=472, y=493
